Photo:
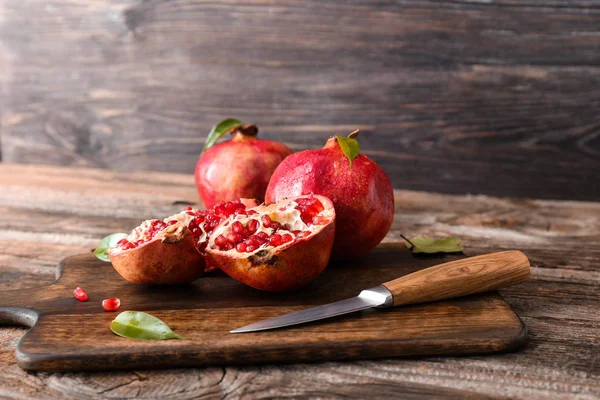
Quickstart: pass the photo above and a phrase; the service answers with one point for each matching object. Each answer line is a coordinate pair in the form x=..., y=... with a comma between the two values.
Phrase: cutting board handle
x=460, y=278
x=17, y=307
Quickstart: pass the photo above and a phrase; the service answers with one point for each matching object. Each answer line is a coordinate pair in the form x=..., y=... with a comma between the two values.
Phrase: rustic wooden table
x=49, y=213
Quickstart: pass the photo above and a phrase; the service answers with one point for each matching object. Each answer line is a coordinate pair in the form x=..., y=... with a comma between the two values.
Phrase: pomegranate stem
x=354, y=134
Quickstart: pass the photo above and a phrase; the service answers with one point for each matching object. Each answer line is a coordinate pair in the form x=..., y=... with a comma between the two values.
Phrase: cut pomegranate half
x=172, y=250
x=278, y=247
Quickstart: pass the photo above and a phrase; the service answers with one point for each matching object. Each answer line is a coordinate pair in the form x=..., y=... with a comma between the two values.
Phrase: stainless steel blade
x=375, y=297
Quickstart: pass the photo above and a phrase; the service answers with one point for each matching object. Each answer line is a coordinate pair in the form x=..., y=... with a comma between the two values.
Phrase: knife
x=445, y=281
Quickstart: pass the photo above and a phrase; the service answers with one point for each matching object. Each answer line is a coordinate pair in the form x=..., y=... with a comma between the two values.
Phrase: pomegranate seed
x=172, y=222
x=252, y=226
x=220, y=240
x=241, y=247
x=262, y=235
x=240, y=211
x=237, y=227
x=111, y=304
x=220, y=210
x=320, y=220
x=80, y=294
x=234, y=237
x=253, y=240
x=158, y=224
x=230, y=206
x=250, y=248
x=302, y=234
x=286, y=238
x=139, y=242
x=275, y=226
x=266, y=221
x=252, y=212
x=275, y=240
x=309, y=207
x=125, y=244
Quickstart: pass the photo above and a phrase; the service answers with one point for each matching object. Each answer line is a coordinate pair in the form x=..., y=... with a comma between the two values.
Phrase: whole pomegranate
x=359, y=188
x=237, y=168
x=172, y=250
x=278, y=247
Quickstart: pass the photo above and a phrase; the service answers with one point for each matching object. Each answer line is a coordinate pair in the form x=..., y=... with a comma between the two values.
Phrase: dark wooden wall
x=495, y=97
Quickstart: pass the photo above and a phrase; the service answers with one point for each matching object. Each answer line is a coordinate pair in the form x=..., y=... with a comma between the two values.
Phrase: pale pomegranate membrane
x=277, y=225
x=200, y=223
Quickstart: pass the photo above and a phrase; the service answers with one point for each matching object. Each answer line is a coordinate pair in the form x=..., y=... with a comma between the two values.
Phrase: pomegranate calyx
x=244, y=130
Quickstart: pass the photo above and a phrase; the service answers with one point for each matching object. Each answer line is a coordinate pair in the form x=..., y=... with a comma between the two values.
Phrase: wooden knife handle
x=460, y=278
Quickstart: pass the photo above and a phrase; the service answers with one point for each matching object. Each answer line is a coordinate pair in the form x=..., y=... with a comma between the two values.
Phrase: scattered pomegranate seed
x=286, y=238
x=188, y=208
x=80, y=294
x=172, y=222
x=111, y=304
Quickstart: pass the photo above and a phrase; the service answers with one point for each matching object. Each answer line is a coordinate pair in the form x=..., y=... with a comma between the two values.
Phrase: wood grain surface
x=49, y=213
x=205, y=312
x=496, y=97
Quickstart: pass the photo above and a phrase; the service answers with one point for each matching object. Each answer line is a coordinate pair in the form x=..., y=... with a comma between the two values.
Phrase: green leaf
x=108, y=242
x=349, y=146
x=219, y=130
x=429, y=245
x=142, y=326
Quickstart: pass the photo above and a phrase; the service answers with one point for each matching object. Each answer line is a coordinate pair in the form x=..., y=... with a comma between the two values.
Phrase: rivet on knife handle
x=460, y=278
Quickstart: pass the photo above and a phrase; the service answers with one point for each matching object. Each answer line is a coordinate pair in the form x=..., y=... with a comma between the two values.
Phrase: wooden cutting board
x=67, y=334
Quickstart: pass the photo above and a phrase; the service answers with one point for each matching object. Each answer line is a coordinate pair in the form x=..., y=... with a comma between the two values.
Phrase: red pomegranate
x=359, y=188
x=279, y=247
x=172, y=250
x=237, y=168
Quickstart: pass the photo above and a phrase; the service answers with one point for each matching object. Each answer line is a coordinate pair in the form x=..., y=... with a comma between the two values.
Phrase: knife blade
x=375, y=297
x=452, y=279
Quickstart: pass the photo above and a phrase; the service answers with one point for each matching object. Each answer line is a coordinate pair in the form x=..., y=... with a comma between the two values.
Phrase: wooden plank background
x=498, y=97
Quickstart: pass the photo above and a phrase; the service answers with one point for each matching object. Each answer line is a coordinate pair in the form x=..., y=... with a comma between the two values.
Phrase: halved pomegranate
x=278, y=247
x=172, y=250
